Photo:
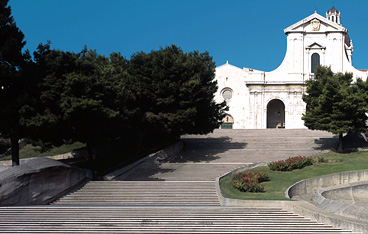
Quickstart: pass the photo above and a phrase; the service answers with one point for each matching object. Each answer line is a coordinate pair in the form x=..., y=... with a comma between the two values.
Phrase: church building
x=260, y=100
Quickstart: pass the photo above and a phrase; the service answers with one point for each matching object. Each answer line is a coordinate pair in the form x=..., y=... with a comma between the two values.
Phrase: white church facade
x=260, y=100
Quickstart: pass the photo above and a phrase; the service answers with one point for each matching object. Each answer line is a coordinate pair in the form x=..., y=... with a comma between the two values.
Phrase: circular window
x=227, y=94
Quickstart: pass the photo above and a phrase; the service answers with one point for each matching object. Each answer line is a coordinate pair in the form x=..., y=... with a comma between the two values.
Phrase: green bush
x=291, y=163
x=250, y=181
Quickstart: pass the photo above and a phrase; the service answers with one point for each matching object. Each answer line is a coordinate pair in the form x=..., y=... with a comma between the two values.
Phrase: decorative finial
x=315, y=8
x=227, y=61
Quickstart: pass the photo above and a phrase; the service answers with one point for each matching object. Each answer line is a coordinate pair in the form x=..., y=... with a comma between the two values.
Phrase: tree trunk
x=89, y=151
x=340, y=148
x=15, y=150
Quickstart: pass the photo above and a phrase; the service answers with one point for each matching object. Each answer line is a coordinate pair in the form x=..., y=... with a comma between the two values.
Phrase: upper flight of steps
x=266, y=144
x=206, y=157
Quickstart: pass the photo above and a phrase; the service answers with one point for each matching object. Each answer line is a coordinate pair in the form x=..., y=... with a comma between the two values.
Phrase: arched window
x=315, y=62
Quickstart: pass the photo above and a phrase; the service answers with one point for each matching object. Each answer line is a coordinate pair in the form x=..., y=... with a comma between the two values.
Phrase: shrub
x=291, y=163
x=321, y=159
x=250, y=181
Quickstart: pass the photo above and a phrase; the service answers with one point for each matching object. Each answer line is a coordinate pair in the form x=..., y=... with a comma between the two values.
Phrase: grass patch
x=30, y=151
x=280, y=181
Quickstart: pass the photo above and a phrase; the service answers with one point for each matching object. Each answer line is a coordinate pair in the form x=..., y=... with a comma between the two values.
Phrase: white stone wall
x=229, y=76
x=253, y=89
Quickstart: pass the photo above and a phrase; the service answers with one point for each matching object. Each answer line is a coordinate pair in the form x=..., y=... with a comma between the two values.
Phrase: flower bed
x=250, y=181
x=291, y=163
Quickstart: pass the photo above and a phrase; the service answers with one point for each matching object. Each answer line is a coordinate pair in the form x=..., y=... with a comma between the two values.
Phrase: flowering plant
x=250, y=181
x=291, y=163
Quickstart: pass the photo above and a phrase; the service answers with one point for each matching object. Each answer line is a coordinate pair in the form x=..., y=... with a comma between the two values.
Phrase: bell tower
x=333, y=15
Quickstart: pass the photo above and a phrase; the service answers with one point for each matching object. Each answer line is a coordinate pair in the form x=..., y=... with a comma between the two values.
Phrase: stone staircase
x=206, y=157
x=178, y=196
x=146, y=219
x=144, y=193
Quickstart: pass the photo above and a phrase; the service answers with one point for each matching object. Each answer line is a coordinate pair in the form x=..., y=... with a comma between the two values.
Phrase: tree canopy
x=13, y=79
x=61, y=97
x=335, y=104
x=95, y=99
x=176, y=90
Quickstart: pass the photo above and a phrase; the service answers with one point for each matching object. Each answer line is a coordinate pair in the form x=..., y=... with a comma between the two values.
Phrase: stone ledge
x=312, y=185
x=38, y=181
x=8, y=163
x=349, y=200
x=340, y=200
x=158, y=157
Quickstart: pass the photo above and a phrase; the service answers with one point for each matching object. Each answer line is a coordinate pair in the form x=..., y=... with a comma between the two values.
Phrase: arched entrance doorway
x=227, y=122
x=275, y=114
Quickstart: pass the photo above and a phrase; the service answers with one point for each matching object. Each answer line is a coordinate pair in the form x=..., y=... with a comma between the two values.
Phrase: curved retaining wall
x=351, y=193
x=349, y=200
x=311, y=186
x=305, y=208
x=344, y=194
x=39, y=181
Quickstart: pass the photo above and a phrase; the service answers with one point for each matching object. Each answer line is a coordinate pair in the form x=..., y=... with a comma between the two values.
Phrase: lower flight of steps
x=144, y=193
x=171, y=219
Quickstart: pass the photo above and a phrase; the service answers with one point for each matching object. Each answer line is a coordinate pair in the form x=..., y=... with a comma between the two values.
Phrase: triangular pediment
x=227, y=65
x=315, y=45
x=315, y=23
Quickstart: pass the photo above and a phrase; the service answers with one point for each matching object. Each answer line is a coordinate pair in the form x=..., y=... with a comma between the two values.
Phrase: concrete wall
x=158, y=157
x=311, y=186
x=339, y=199
x=352, y=193
x=38, y=181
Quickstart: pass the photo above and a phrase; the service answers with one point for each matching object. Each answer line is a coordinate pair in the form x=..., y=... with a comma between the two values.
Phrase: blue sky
x=246, y=33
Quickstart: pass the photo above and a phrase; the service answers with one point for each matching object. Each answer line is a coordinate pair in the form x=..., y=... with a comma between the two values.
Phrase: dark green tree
x=13, y=79
x=95, y=99
x=43, y=117
x=334, y=104
x=90, y=100
x=174, y=92
x=80, y=97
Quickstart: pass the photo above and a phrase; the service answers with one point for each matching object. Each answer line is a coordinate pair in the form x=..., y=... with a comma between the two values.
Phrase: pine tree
x=12, y=85
x=175, y=92
x=334, y=104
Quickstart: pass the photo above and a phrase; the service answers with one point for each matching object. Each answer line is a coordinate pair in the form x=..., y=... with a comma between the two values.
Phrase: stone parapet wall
x=340, y=198
x=157, y=157
x=8, y=163
x=38, y=181
x=311, y=186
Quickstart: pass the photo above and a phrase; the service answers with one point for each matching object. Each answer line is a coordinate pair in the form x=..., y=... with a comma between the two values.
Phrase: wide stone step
x=92, y=219
x=144, y=193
